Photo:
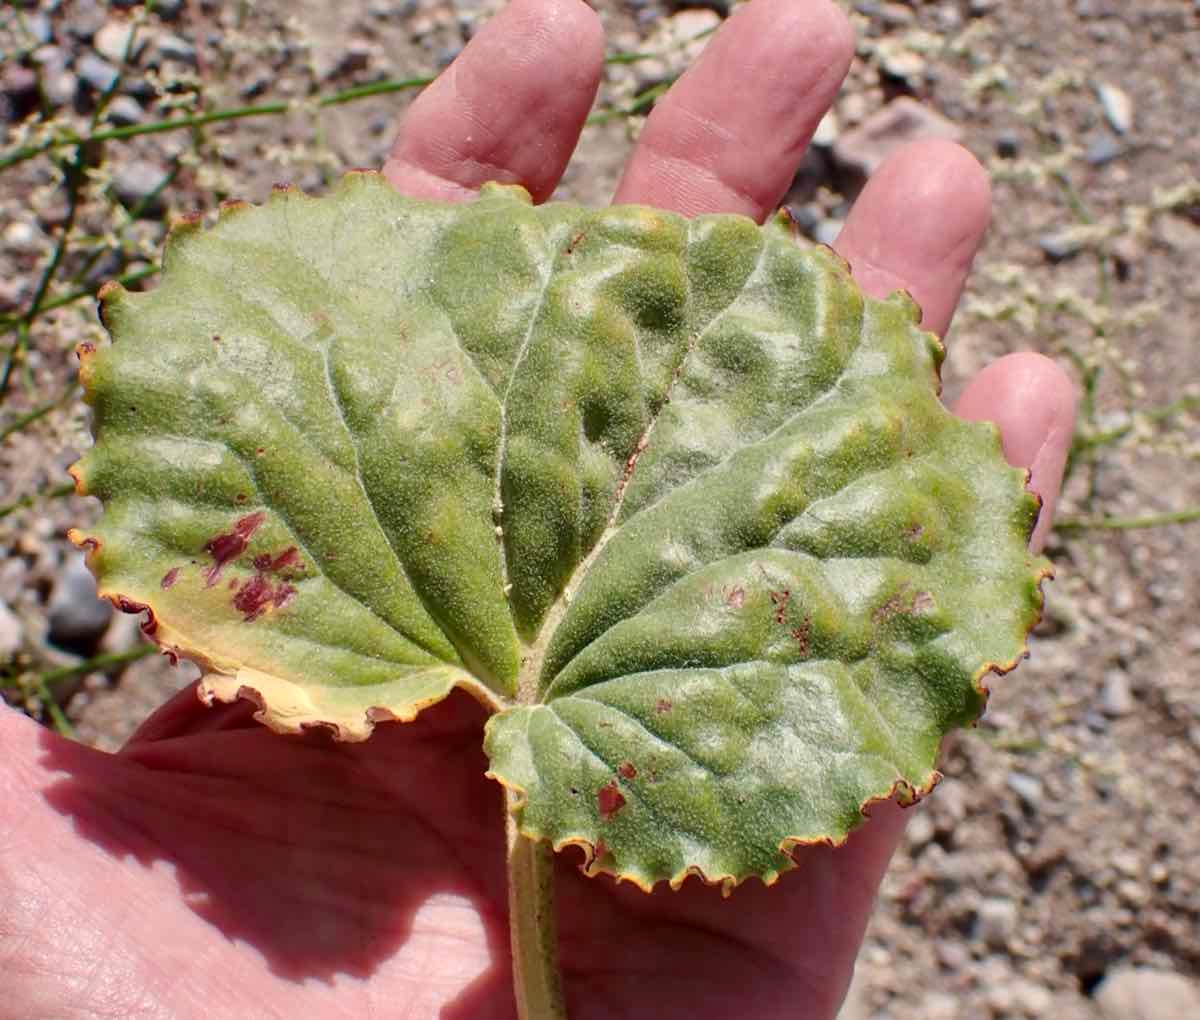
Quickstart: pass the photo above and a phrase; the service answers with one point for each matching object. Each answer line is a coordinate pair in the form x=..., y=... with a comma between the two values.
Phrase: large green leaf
x=671, y=497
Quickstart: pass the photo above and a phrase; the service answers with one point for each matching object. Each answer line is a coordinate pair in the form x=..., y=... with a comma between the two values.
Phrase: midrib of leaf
x=502, y=439
x=531, y=665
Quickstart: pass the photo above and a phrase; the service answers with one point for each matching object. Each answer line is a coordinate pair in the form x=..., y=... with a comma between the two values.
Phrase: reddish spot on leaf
x=85, y=348
x=290, y=557
x=913, y=532
x=780, y=600
x=736, y=598
x=610, y=800
x=169, y=578
x=230, y=545
x=801, y=634
x=258, y=594
x=922, y=601
x=626, y=770
x=262, y=561
x=662, y=706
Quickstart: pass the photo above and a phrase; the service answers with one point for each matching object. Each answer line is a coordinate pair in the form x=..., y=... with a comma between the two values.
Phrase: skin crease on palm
x=213, y=869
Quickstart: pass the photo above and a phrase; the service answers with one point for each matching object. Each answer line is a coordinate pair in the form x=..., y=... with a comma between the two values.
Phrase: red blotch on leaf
x=662, y=706
x=610, y=800
x=626, y=770
x=258, y=594
x=230, y=545
x=169, y=578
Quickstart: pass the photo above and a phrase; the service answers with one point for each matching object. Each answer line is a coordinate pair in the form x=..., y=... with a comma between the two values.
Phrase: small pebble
x=96, y=73
x=77, y=617
x=1061, y=244
x=135, y=182
x=1116, y=697
x=1027, y=788
x=123, y=111
x=175, y=47
x=10, y=634
x=996, y=922
x=826, y=232
x=1143, y=994
x=1103, y=149
x=1118, y=107
x=1008, y=145
x=113, y=41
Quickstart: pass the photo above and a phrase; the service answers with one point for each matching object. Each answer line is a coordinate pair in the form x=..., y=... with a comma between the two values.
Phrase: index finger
x=509, y=108
x=728, y=136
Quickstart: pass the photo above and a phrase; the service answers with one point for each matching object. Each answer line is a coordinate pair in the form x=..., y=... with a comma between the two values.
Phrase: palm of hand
x=213, y=868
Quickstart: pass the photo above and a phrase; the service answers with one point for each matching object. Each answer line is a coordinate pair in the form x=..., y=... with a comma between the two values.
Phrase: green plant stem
x=157, y=127
x=349, y=95
x=1128, y=523
x=38, y=412
x=533, y=927
x=98, y=663
x=9, y=324
x=61, y=723
x=73, y=174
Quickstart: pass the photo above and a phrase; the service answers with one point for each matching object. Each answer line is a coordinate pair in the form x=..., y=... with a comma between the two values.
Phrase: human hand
x=215, y=869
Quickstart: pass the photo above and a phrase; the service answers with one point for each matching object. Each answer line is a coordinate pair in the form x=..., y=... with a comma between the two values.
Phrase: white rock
x=1116, y=697
x=23, y=238
x=1118, y=107
x=10, y=634
x=920, y=829
x=1141, y=994
x=939, y=1006
x=996, y=921
x=113, y=39
x=827, y=131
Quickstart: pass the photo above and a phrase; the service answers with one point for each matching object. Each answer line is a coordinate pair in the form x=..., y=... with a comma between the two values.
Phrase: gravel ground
x=1056, y=870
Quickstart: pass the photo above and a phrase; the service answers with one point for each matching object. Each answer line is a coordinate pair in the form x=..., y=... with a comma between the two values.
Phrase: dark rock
x=1060, y=245
x=123, y=110
x=1104, y=148
x=77, y=618
x=96, y=73
x=135, y=182
x=1008, y=145
x=1028, y=790
x=18, y=92
x=175, y=47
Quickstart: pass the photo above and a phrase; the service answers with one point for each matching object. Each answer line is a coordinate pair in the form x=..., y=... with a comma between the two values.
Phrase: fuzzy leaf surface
x=670, y=496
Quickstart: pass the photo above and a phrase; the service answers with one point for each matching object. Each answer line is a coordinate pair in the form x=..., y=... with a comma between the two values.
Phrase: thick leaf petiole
x=537, y=982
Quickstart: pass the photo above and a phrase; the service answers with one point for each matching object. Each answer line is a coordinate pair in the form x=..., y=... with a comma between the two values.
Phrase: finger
x=1033, y=402
x=509, y=108
x=728, y=136
x=917, y=225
